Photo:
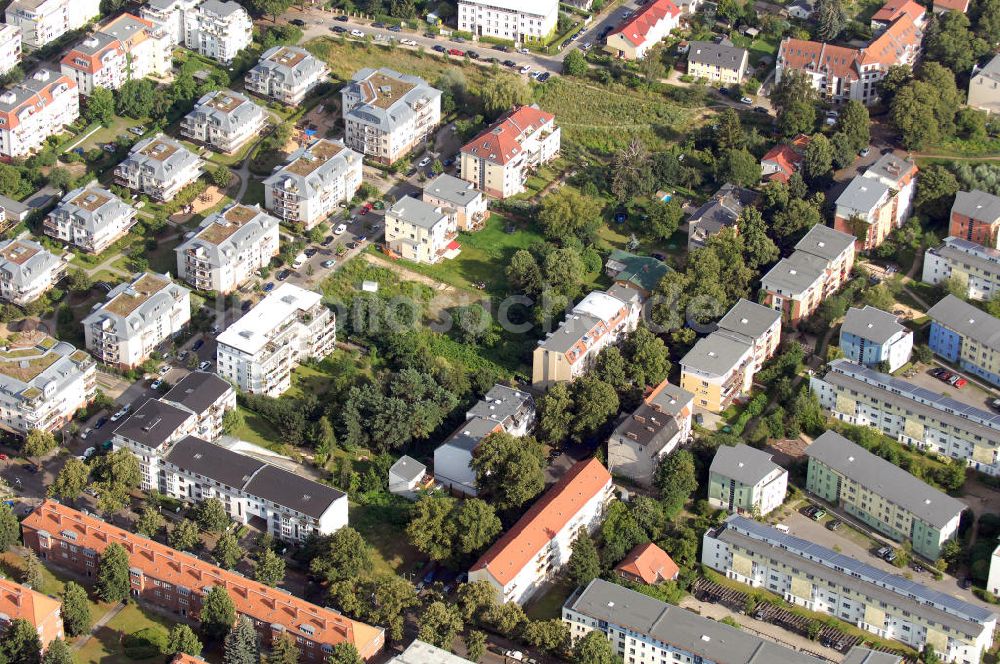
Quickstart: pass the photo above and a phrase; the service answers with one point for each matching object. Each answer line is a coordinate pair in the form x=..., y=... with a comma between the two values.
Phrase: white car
x=339, y=230
x=357, y=33
x=86, y=432
x=121, y=413
x=424, y=162
x=526, y=69
x=89, y=452
x=204, y=365
x=156, y=384
x=407, y=42
x=746, y=100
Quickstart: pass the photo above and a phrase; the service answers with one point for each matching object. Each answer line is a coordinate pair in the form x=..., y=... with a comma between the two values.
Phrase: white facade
x=27, y=270
x=224, y=120
x=126, y=48
x=10, y=47
x=208, y=397
x=968, y=263
x=259, y=351
x=218, y=30
x=43, y=21
x=314, y=181
x=34, y=109
x=516, y=20
x=148, y=432
x=169, y=16
x=158, y=167
x=993, y=581
x=90, y=218
x=286, y=74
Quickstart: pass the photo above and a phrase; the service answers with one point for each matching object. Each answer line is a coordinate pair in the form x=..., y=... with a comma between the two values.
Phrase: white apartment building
x=27, y=270
x=168, y=15
x=205, y=395
x=34, y=109
x=258, y=352
x=43, y=382
x=387, y=114
x=228, y=248
x=536, y=548
x=148, y=432
x=993, y=580
x=218, y=30
x=136, y=318
x=419, y=231
x=500, y=159
x=975, y=267
x=124, y=49
x=10, y=47
x=286, y=74
x=43, y=21
x=158, y=167
x=514, y=20
x=316, y=178
x=90, y=218
x=224, y=120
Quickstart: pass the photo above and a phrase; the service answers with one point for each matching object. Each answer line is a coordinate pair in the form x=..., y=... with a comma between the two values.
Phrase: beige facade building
x=419, y=231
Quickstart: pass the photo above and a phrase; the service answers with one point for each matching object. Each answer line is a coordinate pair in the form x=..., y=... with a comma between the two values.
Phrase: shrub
x=147, y=643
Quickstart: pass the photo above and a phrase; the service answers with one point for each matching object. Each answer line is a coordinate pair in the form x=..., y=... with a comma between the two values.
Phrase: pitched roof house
x=650, y=24
x=649, y=564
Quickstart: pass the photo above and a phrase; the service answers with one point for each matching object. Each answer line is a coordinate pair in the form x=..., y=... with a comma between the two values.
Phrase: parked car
x=357, y=33
x=268, y=287
x=544, y=76
x=954, y=379
x=746, y=100
x=339, y=29
x=526, y=69
x=284, y=274
x=865, y=151
x=204, y=365
x=945, y=376
x=100, y=423
x=509, y=63
x=342, y=17
x=155, y=385
x=310, y=252
x=818, y=514
x=760, y=109
x=339, y=230
x=327, y=241
x=138, y=130
x=198, y=344
x=473, y=54
x=960, y=383
x=86, y=432
x=936, y=372
x=327, y=264
x=834, y=524
x=298, y=21
x=395, y=28
x=423, y=162
x=456, y=52
x=407, y=42
x=378, y=24
x=995, y=404
x=440, y=49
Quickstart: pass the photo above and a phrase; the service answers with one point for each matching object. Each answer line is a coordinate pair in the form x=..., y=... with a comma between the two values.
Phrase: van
x=782, y=527
x=300, y=260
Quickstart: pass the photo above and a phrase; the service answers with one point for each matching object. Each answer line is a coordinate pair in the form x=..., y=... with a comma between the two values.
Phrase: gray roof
x=959, y=250
x=64, y=368
x=223, y=236
x=312, y=168
x=414, y=211
x=643, y=272
x=859, y=655
x=572, y=330
x=677, y=627
x=670, y=399
x=721, y=211
x=424, y=653
x=748, y=320
x=715, y=354
x=198, y=391
x=991, y=70
x=408, y=468
x=19, y=209
x=825, y=242
x=647, y=428
x=200, y=457
x=886, y=479
x=386, y=116
x=501, y=403
x=794, y=274
x=456, y=191
x=891, y=167
x=871, y=324
x=288, y=64
x=293, y=491
x=24, y=260
x=153, y=423
x=977, y=205
x=229, y=113
x=468, y=434
x=94, y=43
x=862, y=194
x=745, y=464
x=160, y=157
x=222, y=9
x=725, y=56
x=131, y=305
x=92, y=207
x=28, y=90
x=967, y=320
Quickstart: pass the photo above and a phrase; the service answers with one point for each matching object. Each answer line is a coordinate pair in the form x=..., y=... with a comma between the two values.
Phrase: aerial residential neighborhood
x=500, y=331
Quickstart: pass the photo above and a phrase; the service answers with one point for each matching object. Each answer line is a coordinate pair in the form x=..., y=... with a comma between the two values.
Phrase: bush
x=147, y=643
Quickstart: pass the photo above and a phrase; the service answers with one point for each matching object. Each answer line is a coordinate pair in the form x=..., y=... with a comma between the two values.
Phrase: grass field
x=257, y=430
x=105, y=646
x=347, y=57
x=383, y=528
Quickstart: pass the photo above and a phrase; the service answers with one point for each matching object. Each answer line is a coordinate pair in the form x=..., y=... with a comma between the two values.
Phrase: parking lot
x=971, y=393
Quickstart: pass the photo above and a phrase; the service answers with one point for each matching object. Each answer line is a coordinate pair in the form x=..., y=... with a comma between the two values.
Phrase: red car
x=455, y=51
x=961, y=382
x=945, y=376
x=366, y=208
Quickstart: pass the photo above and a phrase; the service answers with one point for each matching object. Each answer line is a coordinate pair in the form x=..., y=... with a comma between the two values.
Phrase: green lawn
x=105, y=646
x=346, y=57
x=118, y=127
x=383, y=527
x=257, y=430
x=549, y=604
x=307, y=380
x=254, y=194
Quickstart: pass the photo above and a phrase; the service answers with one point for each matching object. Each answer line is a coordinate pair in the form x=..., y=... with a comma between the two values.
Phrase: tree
x=10, y=528
x=232, y=420
x=242, y=644
x=739, y=167
x=75, y=609
x=928, y=655
x=555, y=414
x=324, y=439
x=502, y=93
x=620, y=532
x=218, y=613
x=594, y=648
x=795, y=98
x=476, y=526
x=272, y=8
x=758, y=248
x=100, y=106
x=182, y=639
x=509, y=470
x=183, y=535
x=523, y=272
x=283, y=651
x=664, y=218
x=59, y=178
x=343, y=555
x=135, y=98
x=630, y=172
x=596, y=403
x=855, y=123
x=120, y=467
x=831, y=19
x=58, y=652
x=211, y=515
x=950, y=42
x=550, y=635
x=380, y=598
x=912, y=114
x=817, y=162
x=79, y=281
x=270, y=568
x=729, y=131
x=676, y=480
x=344, y=653
x=431, y=529
x=439, y=623
x=475, y=599
x=71, y=481
x=568, y=213
x=21, y=644
x=113, y=583
x=574, y=64
x=221, y=177
x=936, y=189
x=843, y=150
x=150, y=521
x=584, y=564
x=32, y=570
x=475, y=642
x=895, y=78
x=227, y=551
x=38, y=443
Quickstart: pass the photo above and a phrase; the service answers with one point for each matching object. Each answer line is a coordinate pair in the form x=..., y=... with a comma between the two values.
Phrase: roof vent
x=850, y=458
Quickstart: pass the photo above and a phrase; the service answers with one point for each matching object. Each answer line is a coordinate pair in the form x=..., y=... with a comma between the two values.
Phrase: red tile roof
x=637, y=28
x=893, y=9
x=183, y=658
x=890, y=47
x=546, y=518
x=37, y=101
x=502, y=141
x=649, y=563
x=43, y=612
x=786, y=157
x=952, y=5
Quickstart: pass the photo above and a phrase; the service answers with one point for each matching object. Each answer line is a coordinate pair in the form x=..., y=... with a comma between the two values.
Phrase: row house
x=535, y=549
x=820, y=265
x=874, y=338
x=910, y=414
x=966, y=335
x=465, y=205
x=38, y=107
x=878, y=201
x=286, y=74
x=975, y=217
x=388, y=114
x=217, y=29
x=91, y=219
x=44, y=21
x=822, y=580
x=10, y=47
x=208, y=397
x=224, y=120
x=137, y=317
x=420, y=231
x=28, y=270
x=517, y=21
x=971, y=265
x=644, y=30
x=745, y=480
x=228, y=249
x=314, y=181
x=126, y=48
x=41, y=611
x=721, y=63
x=43, y=382
x=500, y=159
x=158, y=167
x=177, y=581
x=258, y=352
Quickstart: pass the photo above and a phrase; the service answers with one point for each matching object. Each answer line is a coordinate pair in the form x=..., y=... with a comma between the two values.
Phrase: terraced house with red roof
x=19, y=602
x=34, y=109
x=499, y=160
x=123, y=49
x=633, y=39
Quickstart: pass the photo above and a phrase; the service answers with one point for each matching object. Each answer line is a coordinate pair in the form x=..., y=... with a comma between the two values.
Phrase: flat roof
x=253, y=331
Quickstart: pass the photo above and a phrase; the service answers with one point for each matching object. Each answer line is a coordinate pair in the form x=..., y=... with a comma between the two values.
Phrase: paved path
x=101, y=622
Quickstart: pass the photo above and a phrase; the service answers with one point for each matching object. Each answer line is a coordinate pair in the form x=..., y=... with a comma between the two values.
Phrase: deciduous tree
x=439, y=623
x=270, y=568
x=584, y=564
x=568, y=213
x=227, y=551
x=509, y=470
x=10, y=528
x=182, y=639
x=150, y=521
x=183, y=535
x=218, y=613
x=211, y=515
x=594, y=649
x=58, y=652
x=71, y=481
x=343, y=555
x=75, y=609
x=113, y=583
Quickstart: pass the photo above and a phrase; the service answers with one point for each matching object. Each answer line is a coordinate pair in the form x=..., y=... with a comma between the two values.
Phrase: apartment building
x=44, y=21
x=176, y=582
x=258, y=352
x=224, y=120
x=820, y=265
x=206, y=396
x=38, y=107
x=645, y=630
x=10, y=47
x=42, y=612
x=168, y=16
x=975, y=267
x=910, y=414
x=755, y=325
x=388, y=114
x=993, y=579
x=460, y=200
x=314, y=181
x=877, y=201
x=745, y=480
x=43, y=382
x=966, y=335
x=90, y=218
x=419, y=231
x=158, y=167
x=721, y=211
x=643, y=30
x=822, y=580
x=126, y=48
x=287, y=505
x=723, y=62
x=599, y=320
x=875, y=338
x=535, y=549
x=881, y=494
x=148, y=432
x=286, y=74
x=717, y=370
x=419, y=652
x=136, y=318
x=632, y=271
x=217, y=29
x=28, y=270
x=975, y=216
x=984, y=87
x=228, y=249
x=843, y=73
x=500, y=159
x=514, y=20
x=660, y=424
x=502, y=408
